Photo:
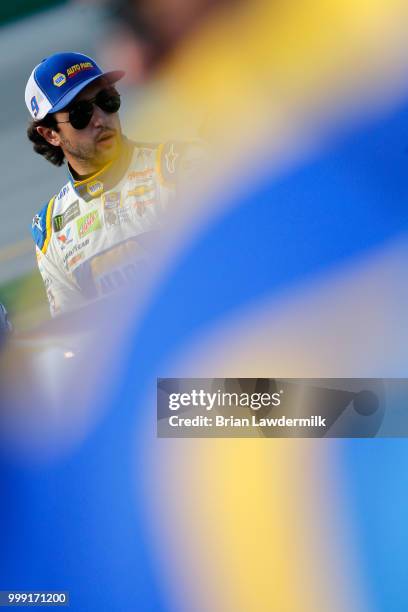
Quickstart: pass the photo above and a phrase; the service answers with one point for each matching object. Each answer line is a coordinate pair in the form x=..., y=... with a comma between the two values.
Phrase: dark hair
x=54, y=154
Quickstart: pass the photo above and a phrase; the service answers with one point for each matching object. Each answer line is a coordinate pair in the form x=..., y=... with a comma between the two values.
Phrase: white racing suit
x=92, y=236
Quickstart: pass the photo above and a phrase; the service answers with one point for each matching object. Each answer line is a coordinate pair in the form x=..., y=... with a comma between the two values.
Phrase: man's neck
x=80, y=174
x=82, y=171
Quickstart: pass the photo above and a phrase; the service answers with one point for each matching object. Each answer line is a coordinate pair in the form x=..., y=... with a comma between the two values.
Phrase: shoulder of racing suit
x=46, y=221
x=41, y=227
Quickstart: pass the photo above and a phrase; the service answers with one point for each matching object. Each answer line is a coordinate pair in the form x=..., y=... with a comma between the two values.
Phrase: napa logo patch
x=59, y=79
x=95, y=188
x=88, y=223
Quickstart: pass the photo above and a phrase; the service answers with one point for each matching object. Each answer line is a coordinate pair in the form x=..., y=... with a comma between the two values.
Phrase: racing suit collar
x=106, y=178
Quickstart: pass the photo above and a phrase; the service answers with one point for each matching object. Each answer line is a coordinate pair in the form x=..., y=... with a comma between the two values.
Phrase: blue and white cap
x=55, y=82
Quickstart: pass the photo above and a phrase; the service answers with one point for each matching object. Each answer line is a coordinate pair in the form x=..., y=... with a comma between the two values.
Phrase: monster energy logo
x=60, y=221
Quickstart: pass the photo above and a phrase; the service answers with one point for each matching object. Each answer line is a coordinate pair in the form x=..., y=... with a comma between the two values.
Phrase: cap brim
x=113, y=76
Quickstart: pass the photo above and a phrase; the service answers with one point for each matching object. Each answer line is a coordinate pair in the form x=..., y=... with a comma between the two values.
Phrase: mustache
x=105, y=133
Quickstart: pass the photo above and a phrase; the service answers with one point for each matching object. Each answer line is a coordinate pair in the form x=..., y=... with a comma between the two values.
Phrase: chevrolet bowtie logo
x=140, y=190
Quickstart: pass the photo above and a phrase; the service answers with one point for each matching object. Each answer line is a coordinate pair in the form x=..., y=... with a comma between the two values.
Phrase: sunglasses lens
x=108, y=102
x=80, y=114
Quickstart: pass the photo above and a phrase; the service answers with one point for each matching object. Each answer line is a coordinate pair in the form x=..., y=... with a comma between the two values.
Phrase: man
x=92, y=236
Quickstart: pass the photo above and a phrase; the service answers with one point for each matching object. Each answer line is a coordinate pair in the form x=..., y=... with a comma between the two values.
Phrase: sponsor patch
x=123, y=214
x=140, y=190
x=75, y=259
x=75, y=249
x=73, y=70
x=65, y=239
x=117, y=216
x=111, y=218
x=171, y=156
x=59, y=79
x=63, y=192
x=111, y=200
x=139, y=206
x=140, y=174
x=175, y=157
x=88, y=223
x=60, y=221
x=95, y=188
x=37, y=223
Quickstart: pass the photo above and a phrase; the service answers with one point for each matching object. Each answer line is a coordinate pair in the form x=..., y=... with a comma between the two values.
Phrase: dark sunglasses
x=80, y=112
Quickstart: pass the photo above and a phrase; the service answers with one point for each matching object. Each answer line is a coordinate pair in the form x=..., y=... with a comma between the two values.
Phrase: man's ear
x=49, y=134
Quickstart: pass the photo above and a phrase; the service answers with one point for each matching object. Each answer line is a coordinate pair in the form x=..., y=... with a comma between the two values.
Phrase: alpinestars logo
x=37, y=223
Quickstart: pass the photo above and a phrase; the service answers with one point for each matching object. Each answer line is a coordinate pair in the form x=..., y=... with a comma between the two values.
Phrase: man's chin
x=107, y=149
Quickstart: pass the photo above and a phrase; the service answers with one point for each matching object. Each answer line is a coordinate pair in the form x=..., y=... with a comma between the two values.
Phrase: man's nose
x=98, y=117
